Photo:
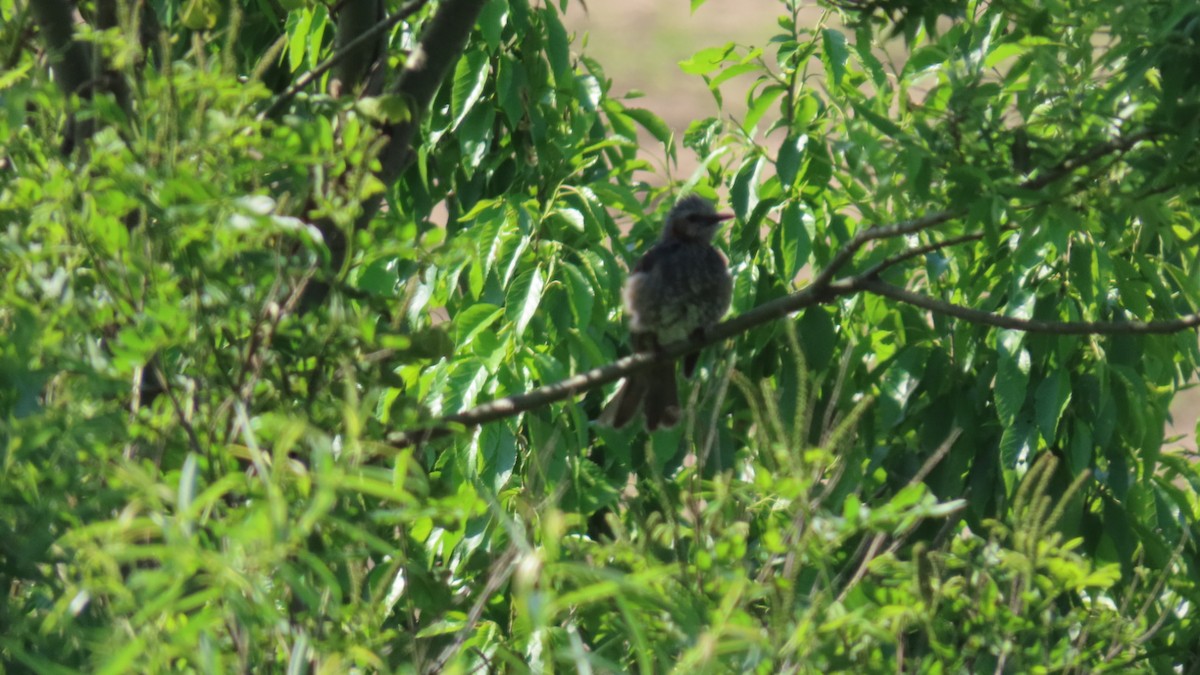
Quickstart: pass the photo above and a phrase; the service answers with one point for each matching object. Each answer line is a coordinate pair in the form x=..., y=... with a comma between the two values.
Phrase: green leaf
x=297, y=37
x=473, y=319
x=817, y=335
x=580, y=292
x=1012, y=376
x=558, y=50
x=835, y=55
x=387, y=109
x=523, y=297
x=898, y=384
x=795, y=224
x=759, y=105
x=652, y=123
x=707, y=60
x=470, y=76
x=732, y=72
x=492, y=19
x=787, y=166
x=1050, y=402
x=1018, y=444
x=888, y=127
x=744, y=192
x=924, y=59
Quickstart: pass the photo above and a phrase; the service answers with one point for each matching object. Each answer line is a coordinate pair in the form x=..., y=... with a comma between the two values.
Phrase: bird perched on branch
x=680, y=287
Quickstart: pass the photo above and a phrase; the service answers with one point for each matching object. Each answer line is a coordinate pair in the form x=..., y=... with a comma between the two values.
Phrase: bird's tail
x=653, y=390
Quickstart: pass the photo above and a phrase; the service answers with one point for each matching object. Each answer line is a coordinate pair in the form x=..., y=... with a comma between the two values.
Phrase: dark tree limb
x=69, y=59
x=75, y=66
x=344, y=51
x=70, y=62
x=441, y=45
x=432, y=59
x=354, y=19
x=148, y=28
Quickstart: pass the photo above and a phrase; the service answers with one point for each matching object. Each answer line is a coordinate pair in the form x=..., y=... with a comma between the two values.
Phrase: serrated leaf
x=1012, y=377
x=470, y=76
x=794, y=239
x=743, y=195
x=1051, y=400
x=787, y=166
x=14, y=75
x=463, y=385
x=523, y=298
x=473, y=319
x=835, y=55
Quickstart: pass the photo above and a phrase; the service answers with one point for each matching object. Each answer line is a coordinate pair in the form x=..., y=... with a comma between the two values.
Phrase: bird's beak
x=721, y=217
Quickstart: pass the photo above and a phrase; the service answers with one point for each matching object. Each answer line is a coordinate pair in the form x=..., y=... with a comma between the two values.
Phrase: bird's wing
x=652, y=257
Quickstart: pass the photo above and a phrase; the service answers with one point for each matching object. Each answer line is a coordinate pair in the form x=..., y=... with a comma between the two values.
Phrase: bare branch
x=1070, y=164
x=880, y=232
x=354, y=19
x=916, y=251
x=873, y=285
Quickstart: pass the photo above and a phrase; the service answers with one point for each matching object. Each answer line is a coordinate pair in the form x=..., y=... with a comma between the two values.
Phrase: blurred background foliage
x=221, y=291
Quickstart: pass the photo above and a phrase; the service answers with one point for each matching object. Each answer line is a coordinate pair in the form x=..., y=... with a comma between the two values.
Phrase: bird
x=680, y=287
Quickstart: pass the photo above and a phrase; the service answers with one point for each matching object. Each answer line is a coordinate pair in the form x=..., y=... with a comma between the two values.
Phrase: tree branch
x=822, y=290
x=439, y=49
x=78, y=73
x=441, y=45
x=345, y=51
x=512, y=405
x=874, y=285
x=1056, y=173
x=69, y=58
x=354, y=19
x=916, y=251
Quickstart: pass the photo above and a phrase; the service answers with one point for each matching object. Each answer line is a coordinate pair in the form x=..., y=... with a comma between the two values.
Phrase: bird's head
x=693, y=218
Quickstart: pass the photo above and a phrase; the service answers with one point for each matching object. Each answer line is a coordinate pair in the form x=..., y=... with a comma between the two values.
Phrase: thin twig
x=193, y=439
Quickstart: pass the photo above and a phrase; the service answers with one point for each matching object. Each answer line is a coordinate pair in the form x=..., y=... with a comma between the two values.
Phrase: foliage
x=199, y=390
